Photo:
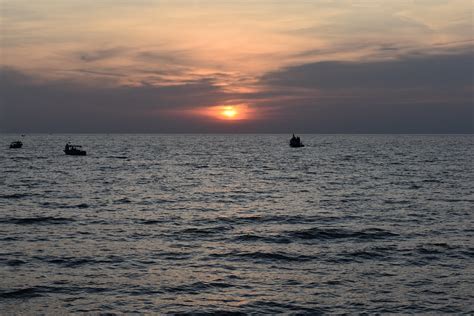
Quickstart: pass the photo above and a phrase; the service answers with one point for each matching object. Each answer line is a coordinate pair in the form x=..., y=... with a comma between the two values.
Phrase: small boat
x=16, y=144
x=74, y=150
x=296, y=142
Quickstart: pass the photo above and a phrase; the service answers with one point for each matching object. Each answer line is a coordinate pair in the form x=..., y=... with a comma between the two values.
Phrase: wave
x=266, y=239
x=205, y=231
x=450, y=200
x=43, y=220
x=73, y=262
x=172, y=256
x=273, y=307
x=432, y=181
x=288, y=219
x=151, y=221
x=123, y=201
x=396, y=202
x=12, y=262
x=39, y=291
x=117, y=157
x=14, y=195
x=21, y=293
x=365, y=255
x=337, y=233
x=442, y=249
x=23, y=158
x=211, y=312
x=197, y=287
x=263, y=256
x=62, y=205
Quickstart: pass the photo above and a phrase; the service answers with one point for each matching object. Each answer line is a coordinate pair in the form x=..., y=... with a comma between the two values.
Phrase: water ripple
x=237, y=224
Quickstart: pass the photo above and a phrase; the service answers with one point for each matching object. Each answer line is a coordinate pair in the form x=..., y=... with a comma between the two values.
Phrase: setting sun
x=229, y=112
x=234, y=112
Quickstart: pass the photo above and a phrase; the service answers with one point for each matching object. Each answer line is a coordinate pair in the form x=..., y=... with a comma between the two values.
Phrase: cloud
x=311, y=116
x=65, y=106
x=101, y=54
x=411, y=71
x=163, y=56
x=412, y=94
x=416, y=93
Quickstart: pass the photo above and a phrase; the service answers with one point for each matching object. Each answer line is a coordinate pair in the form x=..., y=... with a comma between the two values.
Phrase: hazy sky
x=323, y=66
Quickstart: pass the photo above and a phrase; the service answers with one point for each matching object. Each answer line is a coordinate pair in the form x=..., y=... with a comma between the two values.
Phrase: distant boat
x=295, y=142
x=16, y=144
x=74, y=150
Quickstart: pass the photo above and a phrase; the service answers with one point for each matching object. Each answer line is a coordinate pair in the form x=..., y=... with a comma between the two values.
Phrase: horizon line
x=220, y=133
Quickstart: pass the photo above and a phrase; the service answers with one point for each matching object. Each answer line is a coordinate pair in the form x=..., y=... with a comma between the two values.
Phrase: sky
x=236, y=66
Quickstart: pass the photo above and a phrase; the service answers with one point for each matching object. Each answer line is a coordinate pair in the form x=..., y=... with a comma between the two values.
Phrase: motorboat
x=296, y=142
x=16, y=144
x=74, y=150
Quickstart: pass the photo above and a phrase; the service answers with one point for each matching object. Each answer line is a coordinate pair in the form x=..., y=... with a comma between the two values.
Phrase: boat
x=16, y=144
x=74, y=150
x=296, y=142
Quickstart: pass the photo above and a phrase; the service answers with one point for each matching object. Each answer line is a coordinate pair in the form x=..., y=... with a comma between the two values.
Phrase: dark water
x=244, y=224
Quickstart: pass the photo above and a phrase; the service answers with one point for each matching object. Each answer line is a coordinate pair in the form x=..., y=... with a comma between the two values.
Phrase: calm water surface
x=237, y=223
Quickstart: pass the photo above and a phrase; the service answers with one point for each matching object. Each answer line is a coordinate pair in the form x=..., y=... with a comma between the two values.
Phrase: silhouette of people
x=74, y=150
x=295, y=141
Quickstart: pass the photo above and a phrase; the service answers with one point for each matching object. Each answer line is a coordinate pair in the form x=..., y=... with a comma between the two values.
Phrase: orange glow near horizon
x=235, y=112
x=229, y=113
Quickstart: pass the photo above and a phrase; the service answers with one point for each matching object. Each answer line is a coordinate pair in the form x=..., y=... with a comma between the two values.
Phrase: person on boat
x=66, y=148
x=294, y=139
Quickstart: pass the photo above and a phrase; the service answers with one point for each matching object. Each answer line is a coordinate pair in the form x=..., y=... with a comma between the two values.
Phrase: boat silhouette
x=16, y=144
x=74, y=150
x=296, y=142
